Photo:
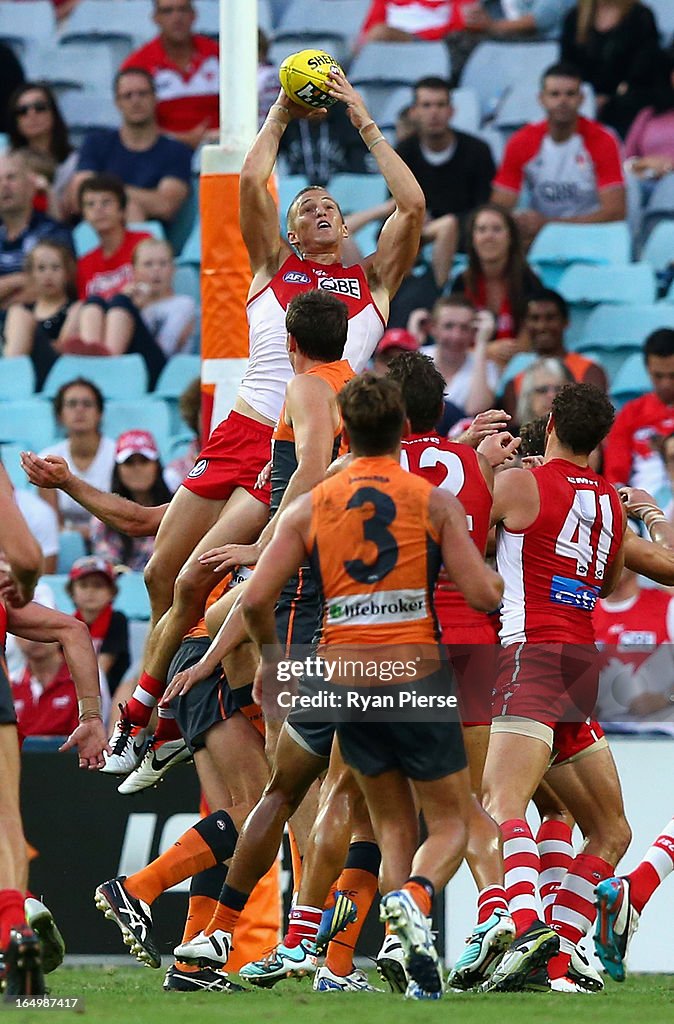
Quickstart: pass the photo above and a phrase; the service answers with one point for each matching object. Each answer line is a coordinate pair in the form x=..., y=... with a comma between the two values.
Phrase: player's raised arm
x=121, y=514
x=257, y=210
x=399, y=239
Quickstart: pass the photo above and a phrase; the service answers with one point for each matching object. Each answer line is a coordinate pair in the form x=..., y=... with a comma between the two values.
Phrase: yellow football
x=304, y=77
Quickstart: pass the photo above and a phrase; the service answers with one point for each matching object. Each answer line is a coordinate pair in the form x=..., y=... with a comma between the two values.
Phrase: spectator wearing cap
x=138, y=476
x=78, y=407
x=461, y=336
x=92, y=587
x=396, y=341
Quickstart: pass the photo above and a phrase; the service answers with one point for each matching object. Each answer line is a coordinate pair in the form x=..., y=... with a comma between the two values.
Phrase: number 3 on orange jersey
x=375, y=531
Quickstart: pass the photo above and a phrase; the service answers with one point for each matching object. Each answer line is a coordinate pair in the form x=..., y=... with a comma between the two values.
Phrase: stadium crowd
x=523, y=240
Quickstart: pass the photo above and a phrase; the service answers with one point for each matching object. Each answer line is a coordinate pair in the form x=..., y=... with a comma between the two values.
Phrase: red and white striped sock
x=490, y=899
x=521, y=866
x=167, y=727
x=556, y=852
x=573, y=911
x=303, y=923
x=654, y=868
x=138, y=709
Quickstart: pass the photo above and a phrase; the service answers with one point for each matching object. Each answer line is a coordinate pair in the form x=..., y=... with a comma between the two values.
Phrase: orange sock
x=296, y=859
x=224, y=919
x=420, y=895
x=361, y=887
x=186, y=857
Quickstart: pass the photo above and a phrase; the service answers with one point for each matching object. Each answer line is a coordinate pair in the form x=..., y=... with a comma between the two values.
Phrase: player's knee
x=194, y=581
x=622, y=837
x=156, y=578
x=280, y=800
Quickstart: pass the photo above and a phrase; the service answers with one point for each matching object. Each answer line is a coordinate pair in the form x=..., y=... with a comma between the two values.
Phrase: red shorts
x=235, y=453
x=549, y=683
x=573, y=738
x=473, y=653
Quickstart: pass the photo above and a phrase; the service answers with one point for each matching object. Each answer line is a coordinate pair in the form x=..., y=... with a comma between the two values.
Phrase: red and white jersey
x=269, y=370
x=633, y=628
x=426, y=19
x=564, y=179
x=186, y=97
x=554, y=570
x=455, y=468
x=631, y=454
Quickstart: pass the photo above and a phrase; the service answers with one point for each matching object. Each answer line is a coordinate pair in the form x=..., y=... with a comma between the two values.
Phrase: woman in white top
x=78, y=406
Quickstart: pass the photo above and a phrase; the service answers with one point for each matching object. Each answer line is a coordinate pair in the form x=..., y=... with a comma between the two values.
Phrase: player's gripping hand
x=637, y=502
x=486, y=423
x=296, y=110
x=230, y=555
x=341, y=89
x=184, y=681
x=499, y=449
x=52, y=471
x=91, y=739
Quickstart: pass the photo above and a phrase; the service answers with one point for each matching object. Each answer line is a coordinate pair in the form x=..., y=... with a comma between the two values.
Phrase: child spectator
x=138, y=476
x=38, y=328
x=92, y=587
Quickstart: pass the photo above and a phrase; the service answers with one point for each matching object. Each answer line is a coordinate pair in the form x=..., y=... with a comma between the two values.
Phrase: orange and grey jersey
x=375, y=554
x=284, y=455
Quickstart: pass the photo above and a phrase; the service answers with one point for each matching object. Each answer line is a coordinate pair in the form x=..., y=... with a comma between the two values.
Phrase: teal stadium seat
x=62, y=599
x=71, y=547
x=332, y=25
x=21, y=25
x=29, y=422
x=585, y=286
x=180, y=371
x=17, y=378
x=142, y=414
x=116, y=376
x=631, y=381
x=288, y=187
x=9, y=454
x=132, y=597
x=659, y=247
x=190, y=254
x=557, y=246
x=615, y=332
x=493, y=68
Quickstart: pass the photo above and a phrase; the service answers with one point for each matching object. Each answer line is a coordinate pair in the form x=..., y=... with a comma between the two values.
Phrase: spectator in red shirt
x=44, y=698
x=570, y=165
x=185, y=68
x=400, y=21
x=107, y=269
x=92, y=587
x=632, y=454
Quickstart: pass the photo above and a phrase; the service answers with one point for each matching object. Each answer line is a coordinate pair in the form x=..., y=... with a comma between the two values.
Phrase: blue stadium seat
x=660, y=206
x=520, y=362
x=186, y=282
x=71, y=67
x=358, y=191
x=86, y=239
x=190, y=253
x=381, y=66
x=630, y=381
x=9, y=455
x=180, y=371
x=288, y=187
x=17, y=378
x=62, y=599
x=29, y=422
x=493, y=68
x=132, y=597
x=265, y=19
x=558, y=245
x=496, y=142
x=124, y=25
x=180, y=228
x=116, y=376
x=614, y=332
x=142, y=414
x=584, y=285
x=83, y=111
x=386, y=107
x=659, y=247
x=22, y=24
x=664, y=15
x=71, y=547
x=329, y=24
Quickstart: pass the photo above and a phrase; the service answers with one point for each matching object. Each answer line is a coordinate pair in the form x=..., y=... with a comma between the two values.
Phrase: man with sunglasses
x=184, y=66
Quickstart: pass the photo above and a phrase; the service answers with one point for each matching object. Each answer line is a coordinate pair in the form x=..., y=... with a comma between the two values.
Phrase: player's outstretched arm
x=258, y=215
x=398, y=243
x=35, y=622
x=654, y=558
x=121, y=514
x=21, y=551
x=480, y=585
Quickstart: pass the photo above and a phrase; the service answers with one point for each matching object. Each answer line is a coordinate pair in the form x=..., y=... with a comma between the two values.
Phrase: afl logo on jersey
x=296, y=277
x=198, y=469
x=341, y=286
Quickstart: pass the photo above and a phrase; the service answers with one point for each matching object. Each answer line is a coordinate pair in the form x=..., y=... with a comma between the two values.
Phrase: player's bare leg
x=476, y=742
x=590, y=788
